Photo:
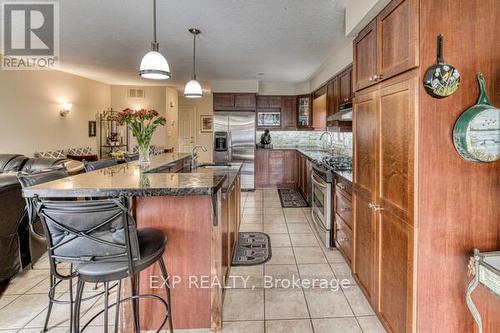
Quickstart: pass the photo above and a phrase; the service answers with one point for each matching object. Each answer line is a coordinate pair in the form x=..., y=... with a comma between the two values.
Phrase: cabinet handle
x=341, y=186
x=375, y=207
x=370, y=78
x=343, y=239
x=345, y=209
x=377, y=77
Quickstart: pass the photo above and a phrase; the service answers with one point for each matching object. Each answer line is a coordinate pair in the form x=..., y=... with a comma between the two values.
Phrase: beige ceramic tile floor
x=264, y=304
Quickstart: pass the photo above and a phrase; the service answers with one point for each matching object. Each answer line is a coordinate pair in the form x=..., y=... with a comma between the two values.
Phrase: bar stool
x=101, y=164
x=129, y=157
x=100, y=239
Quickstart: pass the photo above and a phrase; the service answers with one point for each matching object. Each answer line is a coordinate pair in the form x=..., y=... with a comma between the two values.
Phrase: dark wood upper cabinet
x=244, y=101
x=332, y=97
x=365, y=56
x=397, y=26
x=230, y=101
x=388, y=45
x=223, y=101
x=345, y=88
x=319, y=112
x=289, y=112
x=304, y=111
x=268, y=101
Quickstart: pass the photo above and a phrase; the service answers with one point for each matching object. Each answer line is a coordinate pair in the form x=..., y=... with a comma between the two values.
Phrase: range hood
x=344, y=114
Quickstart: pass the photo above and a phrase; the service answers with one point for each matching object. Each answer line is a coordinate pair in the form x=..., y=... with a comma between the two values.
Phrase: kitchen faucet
x=194, y=156
x=330, y=135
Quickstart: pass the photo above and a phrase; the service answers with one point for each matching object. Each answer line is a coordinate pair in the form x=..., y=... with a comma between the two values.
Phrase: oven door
x=321, y=208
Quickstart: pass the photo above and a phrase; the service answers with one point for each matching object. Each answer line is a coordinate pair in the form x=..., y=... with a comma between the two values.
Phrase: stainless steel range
x=323, y=176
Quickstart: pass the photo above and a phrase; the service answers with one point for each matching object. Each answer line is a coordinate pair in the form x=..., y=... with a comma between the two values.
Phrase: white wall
x=155, y=98
x=203, y=106
x=29, y=110
x=172, y=110
x=235, y=86
x=359, y=13
x=342, y=57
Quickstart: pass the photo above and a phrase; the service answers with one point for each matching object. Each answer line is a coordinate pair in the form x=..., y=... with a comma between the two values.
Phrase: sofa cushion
x=50, y=154
x=39, y=164
x=81, y=151
x=11, y=162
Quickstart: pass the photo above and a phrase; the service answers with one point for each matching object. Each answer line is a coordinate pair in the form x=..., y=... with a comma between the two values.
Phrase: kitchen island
x=199, y=212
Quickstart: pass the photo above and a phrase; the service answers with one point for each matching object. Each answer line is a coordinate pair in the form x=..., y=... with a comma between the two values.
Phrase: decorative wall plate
x=442, y=79
x=476, y=134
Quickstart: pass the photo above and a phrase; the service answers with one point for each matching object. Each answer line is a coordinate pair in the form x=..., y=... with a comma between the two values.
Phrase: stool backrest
x=89, y=231
x=34, y=178
x=101, y=164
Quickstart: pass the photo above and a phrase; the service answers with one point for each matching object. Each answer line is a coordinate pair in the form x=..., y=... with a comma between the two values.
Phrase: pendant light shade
x=154, y=65
x=193, y=88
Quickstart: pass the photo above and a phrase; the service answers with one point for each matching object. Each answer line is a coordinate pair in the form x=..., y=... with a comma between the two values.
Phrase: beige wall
x=155, y=98
x=359, y=13
x=29, y=110
x=203, y=106
x=172, y=126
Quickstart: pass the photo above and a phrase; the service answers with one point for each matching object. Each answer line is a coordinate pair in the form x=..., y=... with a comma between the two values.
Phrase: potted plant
x=143, y=124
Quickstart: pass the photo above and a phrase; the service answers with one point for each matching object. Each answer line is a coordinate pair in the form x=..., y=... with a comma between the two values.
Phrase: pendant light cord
x=154, y=21
x=194, y=56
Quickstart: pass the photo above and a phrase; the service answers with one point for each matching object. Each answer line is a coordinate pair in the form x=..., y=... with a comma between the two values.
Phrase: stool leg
x=117, y=309
x=71, y=317
x=75, y=324
x=51, y=297
x=134, y=283
x=167, y=289
x=106, y=304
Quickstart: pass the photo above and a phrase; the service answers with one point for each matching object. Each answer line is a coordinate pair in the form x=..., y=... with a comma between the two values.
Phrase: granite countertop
x=314, y=153
x=131, y=180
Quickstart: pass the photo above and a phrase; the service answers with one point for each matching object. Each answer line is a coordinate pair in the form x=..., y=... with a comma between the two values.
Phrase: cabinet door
x=319, y=112
x=332, y=95
x=290, y=168
x=262, y=101
x=398, y=98
x=274, y=101
x=224, y=224
x=365, y=56
x=223, y=101
x=304, y=111
x=261, y=167
x=364, y=191
x=397, y=25
x=345, y=87
x=276, y=167
x=244, y=101
x=289, y=112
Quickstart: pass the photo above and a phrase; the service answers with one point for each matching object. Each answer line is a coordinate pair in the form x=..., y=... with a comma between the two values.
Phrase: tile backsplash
x=342, y=141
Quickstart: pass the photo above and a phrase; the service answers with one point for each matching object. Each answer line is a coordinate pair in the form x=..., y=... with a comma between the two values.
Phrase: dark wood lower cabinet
x=276, y=168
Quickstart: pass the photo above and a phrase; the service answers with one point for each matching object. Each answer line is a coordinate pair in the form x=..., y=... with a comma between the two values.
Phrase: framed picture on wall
x=206, y=123
x=92, y=128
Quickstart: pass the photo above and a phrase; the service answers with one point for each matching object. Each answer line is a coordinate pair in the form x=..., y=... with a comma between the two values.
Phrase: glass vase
x=144, y=154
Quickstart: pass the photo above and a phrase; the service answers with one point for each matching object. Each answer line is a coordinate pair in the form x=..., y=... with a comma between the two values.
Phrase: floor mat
x=253, y=248
x=292, y=198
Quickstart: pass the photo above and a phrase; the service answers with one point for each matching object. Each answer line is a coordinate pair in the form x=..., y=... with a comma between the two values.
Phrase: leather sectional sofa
x=17, y=248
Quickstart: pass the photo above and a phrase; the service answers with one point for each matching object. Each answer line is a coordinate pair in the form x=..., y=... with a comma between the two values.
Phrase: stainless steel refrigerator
x=234, y=141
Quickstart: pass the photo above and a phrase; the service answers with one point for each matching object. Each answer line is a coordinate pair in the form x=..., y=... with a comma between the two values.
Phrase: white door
x=187, y=129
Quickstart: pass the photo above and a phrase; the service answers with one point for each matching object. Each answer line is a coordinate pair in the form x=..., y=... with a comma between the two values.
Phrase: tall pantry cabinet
x=394, y=236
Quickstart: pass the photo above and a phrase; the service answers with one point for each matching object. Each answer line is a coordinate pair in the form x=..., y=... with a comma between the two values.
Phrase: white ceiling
x=286, y=39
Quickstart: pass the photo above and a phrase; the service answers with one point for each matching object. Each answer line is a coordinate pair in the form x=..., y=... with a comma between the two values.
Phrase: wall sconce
x=65, y=109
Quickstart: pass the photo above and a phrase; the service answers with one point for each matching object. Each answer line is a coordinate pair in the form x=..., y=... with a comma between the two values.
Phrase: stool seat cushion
x=152, y=244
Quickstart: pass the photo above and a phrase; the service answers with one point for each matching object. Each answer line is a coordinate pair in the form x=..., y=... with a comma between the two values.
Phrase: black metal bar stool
x=30, y=179
x=101, y=164
x=100, y=239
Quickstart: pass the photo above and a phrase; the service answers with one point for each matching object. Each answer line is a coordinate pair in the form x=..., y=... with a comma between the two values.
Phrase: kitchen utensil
x=442, y=79
x=476, y=134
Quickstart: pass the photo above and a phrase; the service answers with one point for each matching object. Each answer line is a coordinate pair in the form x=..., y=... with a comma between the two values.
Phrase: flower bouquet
x=143, y=124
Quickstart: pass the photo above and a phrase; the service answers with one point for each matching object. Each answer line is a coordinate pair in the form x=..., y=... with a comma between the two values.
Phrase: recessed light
x=260, y=73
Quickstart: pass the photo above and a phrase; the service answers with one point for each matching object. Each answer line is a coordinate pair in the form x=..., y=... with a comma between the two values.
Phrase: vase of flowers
x=143, y=124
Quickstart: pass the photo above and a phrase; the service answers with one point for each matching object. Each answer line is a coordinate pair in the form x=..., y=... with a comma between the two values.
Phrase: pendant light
x=154, y=65
x=193, y=88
